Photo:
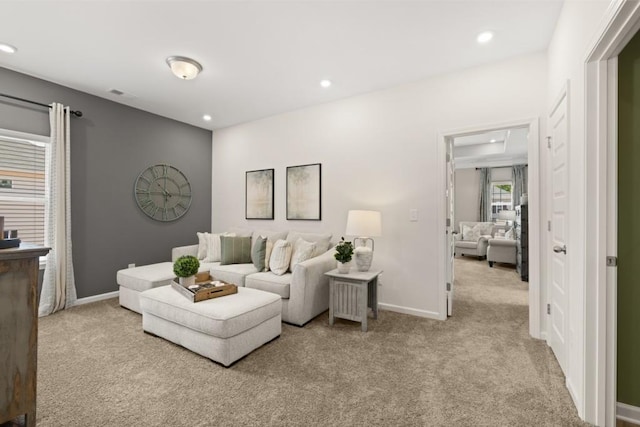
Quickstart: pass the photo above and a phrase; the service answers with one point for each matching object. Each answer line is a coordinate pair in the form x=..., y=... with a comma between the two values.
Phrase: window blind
x=22, y=188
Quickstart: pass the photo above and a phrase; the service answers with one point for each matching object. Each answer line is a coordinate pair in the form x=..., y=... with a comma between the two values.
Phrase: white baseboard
x=628, y=413
x=411, y=311
x=94, y=298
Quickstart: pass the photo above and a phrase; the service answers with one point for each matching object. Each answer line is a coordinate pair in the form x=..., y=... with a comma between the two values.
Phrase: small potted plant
x=186, y=268
x=344, y=253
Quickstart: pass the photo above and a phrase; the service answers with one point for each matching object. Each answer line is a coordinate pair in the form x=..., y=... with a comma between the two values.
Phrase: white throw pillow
x=213, y=246
x=267, y=257
x=471, y=234
x=302, y=251
x=202, y=245
x=510, y=235
x=280, y=257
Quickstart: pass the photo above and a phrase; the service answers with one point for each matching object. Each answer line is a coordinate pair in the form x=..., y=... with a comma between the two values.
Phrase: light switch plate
x=413, y=214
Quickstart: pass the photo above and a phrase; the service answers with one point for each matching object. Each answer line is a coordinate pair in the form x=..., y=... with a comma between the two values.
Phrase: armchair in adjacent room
x=473, y=238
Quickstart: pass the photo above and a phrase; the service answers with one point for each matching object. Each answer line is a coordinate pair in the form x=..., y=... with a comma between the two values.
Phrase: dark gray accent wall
x=110, y=145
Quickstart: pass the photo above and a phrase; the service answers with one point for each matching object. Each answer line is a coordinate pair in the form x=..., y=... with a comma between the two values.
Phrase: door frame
x=533, y=180
x=621, y=22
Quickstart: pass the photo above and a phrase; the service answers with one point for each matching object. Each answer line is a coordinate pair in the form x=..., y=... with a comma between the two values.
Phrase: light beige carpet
x=479, y=368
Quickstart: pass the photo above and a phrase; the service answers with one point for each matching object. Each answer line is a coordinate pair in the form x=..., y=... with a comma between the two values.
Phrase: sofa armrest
x=183, y=250
x=483, y=242
x=309, y=291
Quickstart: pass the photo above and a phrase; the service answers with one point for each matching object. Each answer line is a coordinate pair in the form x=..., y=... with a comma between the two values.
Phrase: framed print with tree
x=304, y=198
x=259, y=194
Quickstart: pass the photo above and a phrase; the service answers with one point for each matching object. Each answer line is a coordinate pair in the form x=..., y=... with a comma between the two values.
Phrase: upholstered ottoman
x=223, y=329
x=133, y=281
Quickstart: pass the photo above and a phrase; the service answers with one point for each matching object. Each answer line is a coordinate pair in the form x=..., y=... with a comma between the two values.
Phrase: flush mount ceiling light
x=183, y=67
x=493, y=140
x=7, y=48
x=206, y=118
x=325, y=83
x=485, y=37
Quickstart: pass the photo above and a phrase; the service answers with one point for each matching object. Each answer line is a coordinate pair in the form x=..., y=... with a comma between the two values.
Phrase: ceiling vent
x=116, y=92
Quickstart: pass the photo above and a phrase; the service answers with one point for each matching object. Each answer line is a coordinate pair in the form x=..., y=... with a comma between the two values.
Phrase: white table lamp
x=364, y=225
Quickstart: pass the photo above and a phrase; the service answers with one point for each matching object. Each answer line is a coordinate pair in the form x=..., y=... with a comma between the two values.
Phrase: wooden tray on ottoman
x=207, y=290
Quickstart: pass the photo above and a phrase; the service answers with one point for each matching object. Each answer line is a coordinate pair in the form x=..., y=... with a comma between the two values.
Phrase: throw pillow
x=213, y=246
x=475, y=233
x=510, y=235
x=235, y=250
x=267, y=255
x=280, y=257
x=258, y=253
x=302, y=251
x=465, y=232
x=202, y=245
x=321, y=240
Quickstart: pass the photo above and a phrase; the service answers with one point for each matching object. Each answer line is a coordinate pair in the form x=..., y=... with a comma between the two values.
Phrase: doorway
x=451, y=221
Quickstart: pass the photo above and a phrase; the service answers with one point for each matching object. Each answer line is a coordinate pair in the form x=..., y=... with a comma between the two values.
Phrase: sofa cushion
x=146, y=277
x=235, y=250
x=466, y=244
x=258, y=252
x=302, y=251
x=270, y=282
x=269, y=234
x=280, y=257
x=322, y=241
x=233, y=273
x=223, y=317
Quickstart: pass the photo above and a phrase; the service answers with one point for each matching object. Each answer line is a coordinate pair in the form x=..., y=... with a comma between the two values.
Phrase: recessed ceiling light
x=206, y=117
x=485, y=37
x=493, y=140
x=325, y=83
x=7, y=48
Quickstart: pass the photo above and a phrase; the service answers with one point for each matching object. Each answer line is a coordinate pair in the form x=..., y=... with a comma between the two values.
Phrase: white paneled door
x=450, y=225
x=557, y=308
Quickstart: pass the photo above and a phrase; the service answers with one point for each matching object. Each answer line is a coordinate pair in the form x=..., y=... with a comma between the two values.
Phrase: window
x=23, y=162
x=501, y=198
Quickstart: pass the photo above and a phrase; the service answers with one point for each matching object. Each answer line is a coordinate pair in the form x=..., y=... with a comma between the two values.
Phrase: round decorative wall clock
x=163, y=193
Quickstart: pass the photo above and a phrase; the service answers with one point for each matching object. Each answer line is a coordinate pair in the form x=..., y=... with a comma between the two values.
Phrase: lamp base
x=363, y=254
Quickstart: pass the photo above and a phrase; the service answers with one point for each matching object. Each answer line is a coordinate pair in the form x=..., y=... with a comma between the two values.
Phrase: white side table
x=350, y=295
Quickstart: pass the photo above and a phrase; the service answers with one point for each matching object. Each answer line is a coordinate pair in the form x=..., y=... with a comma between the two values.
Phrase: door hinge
x=548, y=142
x=448, y=157
x=612, y=261
x=548, y=308
x=448, y=222
x=448, y=287
x=549, y=225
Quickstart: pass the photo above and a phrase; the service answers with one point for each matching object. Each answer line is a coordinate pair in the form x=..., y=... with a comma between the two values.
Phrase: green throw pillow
x=235, y=250
x=259, y=252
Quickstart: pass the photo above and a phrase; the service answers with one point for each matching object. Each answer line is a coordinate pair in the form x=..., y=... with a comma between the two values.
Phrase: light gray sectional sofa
x=304, y=291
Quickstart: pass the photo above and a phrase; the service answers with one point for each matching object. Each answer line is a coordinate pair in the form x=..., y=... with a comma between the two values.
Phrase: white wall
x=467, y=193
x=378, y=151
x=577, y=28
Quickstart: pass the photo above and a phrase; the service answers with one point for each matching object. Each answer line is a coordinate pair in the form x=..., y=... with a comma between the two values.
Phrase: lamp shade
x=507, y=215
x=364, y=224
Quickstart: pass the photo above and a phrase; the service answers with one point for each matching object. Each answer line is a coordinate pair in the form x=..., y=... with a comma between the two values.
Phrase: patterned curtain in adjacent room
x=58, y=287
x=485, y=194
x=519, y=175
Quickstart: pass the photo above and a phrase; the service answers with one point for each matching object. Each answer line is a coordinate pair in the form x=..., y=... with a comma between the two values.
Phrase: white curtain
x=519, y=176
x=58, y=287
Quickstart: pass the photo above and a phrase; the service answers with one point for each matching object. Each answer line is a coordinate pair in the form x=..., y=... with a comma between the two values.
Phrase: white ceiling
x=260, y=58
x=510, y=147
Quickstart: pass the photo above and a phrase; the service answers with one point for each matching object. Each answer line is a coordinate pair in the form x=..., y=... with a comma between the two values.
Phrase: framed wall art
x=259, y=194
x=304, y=197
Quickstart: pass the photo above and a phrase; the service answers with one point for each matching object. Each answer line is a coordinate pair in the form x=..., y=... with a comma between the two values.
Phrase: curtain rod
x=498, y=167
x=75, y=113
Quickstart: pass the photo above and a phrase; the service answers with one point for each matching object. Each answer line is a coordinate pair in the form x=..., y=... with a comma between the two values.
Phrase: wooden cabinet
x=19, y=331
x=522, y=241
